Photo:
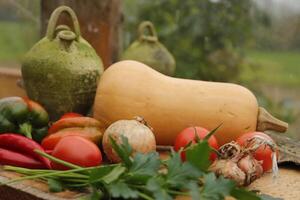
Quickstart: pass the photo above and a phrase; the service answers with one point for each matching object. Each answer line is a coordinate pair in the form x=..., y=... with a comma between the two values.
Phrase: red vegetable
x=76, y=150
x=72, y=122
x=18, y=143
x=264, y=150
x=70, y=115
x=91, y=133
x=189, y=134
x=8, y=157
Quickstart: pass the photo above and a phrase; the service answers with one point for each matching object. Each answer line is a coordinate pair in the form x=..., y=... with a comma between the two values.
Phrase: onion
x=237, y=163
x=139, y=135
x=229, y=169
x=252, y=168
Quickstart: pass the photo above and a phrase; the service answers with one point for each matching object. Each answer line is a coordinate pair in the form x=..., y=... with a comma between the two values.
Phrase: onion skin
x=229, y=169
x=251, y=167
x=238, y=164
x=139, y=136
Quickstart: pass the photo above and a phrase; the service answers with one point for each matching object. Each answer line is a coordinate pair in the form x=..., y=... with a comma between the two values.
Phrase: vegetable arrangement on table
x=142, y=176
x=139, y=172
x=113, y=156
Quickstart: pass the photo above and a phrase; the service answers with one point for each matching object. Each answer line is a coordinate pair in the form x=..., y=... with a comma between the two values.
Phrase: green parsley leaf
x=98, y=173
x=120, y=189
x=123, y=150
x=95, y=195
x=198, y=155
x=156, y=186
x=212, y=132
x=180, y=173
x=55, y=185
x=144, y=166
x=216, y=188
x=242, y=194
x=194, y=190
x=114, y=174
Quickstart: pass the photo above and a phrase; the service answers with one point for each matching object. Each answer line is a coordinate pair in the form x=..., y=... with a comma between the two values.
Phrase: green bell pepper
x=23, y=116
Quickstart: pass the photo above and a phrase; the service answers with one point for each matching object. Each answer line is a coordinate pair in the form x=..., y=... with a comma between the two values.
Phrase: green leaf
x=55, y=185
x=180, y=173
x=144, y=166
x=198, y=155
x=216, y=188
x=198, y=139
x=212, y=132
x=98, y=173
x=194, y=190
x=242, y=194
x=156, y=186
x=123, y=150
x=96, y=194
x=113, y=175
x=120, y=189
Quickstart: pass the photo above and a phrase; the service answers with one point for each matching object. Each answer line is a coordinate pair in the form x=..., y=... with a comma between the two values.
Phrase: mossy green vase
x=61, y=71
x=148, y=50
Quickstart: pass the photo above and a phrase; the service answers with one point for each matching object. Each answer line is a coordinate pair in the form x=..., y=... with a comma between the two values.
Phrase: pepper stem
x=26, y=129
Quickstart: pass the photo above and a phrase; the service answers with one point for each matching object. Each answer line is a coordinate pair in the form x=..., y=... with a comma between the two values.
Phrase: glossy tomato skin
x=70, y=115
x=188, y=134
x=263, y=153
x=76, y=150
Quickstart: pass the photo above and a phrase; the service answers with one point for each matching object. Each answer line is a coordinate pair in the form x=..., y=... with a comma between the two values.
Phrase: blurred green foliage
x=206, y=37
x=209, y=39
x=15, y=39
x=19, y=28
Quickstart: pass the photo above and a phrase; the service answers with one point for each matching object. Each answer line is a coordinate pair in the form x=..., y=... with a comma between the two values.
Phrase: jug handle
x=141, y=32
x=50, y=34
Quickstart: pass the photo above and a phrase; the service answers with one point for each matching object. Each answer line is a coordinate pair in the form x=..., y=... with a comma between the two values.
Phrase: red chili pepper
x=8, y=157
x=18, y=143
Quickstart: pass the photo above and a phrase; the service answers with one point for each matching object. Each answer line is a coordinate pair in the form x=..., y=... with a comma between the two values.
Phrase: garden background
x=255, y=43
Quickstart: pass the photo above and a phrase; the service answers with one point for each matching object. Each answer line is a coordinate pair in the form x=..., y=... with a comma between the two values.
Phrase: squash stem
x=266, y=121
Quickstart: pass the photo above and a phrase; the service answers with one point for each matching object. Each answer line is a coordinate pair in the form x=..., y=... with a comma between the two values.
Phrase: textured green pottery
x=148, y=50
x=61, y=71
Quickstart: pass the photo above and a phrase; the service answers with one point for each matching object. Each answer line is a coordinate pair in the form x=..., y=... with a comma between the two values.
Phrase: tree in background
x=206, y=37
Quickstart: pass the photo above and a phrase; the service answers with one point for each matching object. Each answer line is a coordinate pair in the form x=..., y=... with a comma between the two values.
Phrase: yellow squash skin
x=129, y=88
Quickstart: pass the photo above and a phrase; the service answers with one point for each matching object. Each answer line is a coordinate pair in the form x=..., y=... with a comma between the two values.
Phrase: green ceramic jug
x=61, y=71
x=148, y=50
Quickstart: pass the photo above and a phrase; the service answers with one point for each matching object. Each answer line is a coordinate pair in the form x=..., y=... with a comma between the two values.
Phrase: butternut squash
x=129, y=88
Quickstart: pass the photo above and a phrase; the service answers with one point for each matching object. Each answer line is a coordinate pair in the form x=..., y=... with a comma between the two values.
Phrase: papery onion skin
x=251, y=167
x=140, y=138
x=264, y=152
x=229, y=169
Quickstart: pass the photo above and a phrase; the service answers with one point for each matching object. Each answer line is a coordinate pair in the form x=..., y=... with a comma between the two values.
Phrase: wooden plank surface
x=31, y=190
x=285, y=186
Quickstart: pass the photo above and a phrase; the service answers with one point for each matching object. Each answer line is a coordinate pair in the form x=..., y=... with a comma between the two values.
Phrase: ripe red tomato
x=263, y=153
x=188, y=134
x=70, y=115
x=76, y=150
